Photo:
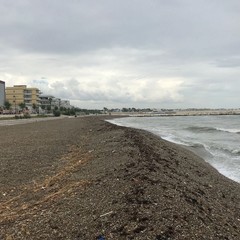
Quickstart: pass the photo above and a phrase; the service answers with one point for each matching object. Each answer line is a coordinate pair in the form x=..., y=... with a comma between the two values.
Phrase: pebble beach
x=85, y=178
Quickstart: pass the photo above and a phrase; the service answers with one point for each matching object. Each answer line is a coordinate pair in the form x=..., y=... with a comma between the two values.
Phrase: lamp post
x=15, y=104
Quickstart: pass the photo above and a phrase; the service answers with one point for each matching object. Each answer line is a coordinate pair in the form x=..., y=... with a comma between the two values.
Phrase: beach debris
x=101, y=237
x=9, y=237
x=105, y=214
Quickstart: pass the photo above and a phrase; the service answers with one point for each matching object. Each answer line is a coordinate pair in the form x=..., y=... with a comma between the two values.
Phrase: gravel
x=82, y=178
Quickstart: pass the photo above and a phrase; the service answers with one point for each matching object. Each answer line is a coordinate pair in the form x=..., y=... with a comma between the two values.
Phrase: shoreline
x=198, y=148
x=84, y=177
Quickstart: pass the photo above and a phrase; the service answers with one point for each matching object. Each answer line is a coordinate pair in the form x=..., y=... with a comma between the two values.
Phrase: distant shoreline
x=188, y=113
x=179, y=115
x=182, y=112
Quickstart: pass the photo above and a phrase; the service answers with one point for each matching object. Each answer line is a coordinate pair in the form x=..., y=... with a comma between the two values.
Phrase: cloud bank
x=174, y=54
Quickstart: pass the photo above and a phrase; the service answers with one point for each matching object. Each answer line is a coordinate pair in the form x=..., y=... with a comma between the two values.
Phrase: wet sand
x=78, y=178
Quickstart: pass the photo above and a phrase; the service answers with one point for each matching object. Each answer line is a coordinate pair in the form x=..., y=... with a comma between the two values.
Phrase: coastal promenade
x=13, y=121
x=82, y=178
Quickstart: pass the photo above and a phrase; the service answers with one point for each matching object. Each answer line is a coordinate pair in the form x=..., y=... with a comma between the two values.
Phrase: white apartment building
x=49, y=101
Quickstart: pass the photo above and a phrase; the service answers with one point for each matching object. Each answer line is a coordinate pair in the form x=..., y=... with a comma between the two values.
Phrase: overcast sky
x=124, y=53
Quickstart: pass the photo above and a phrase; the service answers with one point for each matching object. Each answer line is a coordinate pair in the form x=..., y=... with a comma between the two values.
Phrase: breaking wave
x=198, y=129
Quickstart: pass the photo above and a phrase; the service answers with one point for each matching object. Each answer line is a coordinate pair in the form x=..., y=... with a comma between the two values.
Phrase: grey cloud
x=124, y=51
x=40, y=81
x=131, y=90
x=230, y=62
x=185, y=28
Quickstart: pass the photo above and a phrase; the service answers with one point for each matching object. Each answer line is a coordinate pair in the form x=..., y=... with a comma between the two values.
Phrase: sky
x=124, y=53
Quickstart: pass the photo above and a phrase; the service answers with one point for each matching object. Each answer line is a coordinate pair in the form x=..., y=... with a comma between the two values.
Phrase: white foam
x=229, y=130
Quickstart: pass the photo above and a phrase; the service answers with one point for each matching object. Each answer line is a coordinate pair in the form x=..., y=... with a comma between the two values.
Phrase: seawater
x=219, y=136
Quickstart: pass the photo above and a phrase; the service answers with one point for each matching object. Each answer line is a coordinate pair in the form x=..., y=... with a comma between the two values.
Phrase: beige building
x=22, y=94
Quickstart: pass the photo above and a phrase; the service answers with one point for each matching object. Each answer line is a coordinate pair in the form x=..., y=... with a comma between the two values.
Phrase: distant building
x=46, y=101
x=22, y=94
x=2, y=93
x=56, y=102
x=50, y=102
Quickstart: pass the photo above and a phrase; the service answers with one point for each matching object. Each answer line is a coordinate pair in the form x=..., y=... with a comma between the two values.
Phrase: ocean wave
x=229, y=130
x=198, y=145
x=199, y=129
x=174, y=139
x=216, y=150
x=228, y=151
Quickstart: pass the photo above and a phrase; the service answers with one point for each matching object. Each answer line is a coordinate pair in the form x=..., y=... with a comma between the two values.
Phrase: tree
x=72, y=111
x=105, y=109
x=56, y=113
x=125, y=109
x=34, y=106
x=7, y=105
x=22, y=105
x=50, y=102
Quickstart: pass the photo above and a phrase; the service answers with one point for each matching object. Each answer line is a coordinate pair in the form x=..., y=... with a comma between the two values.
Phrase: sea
x=214, y=138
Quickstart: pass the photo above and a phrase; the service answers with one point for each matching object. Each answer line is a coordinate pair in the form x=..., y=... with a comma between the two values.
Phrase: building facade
x=19, y=94
x=46, y=101
x=2, y=93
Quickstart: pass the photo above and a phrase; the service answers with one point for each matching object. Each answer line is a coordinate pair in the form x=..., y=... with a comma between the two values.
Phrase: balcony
x=27, y=92
x=27, y=98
